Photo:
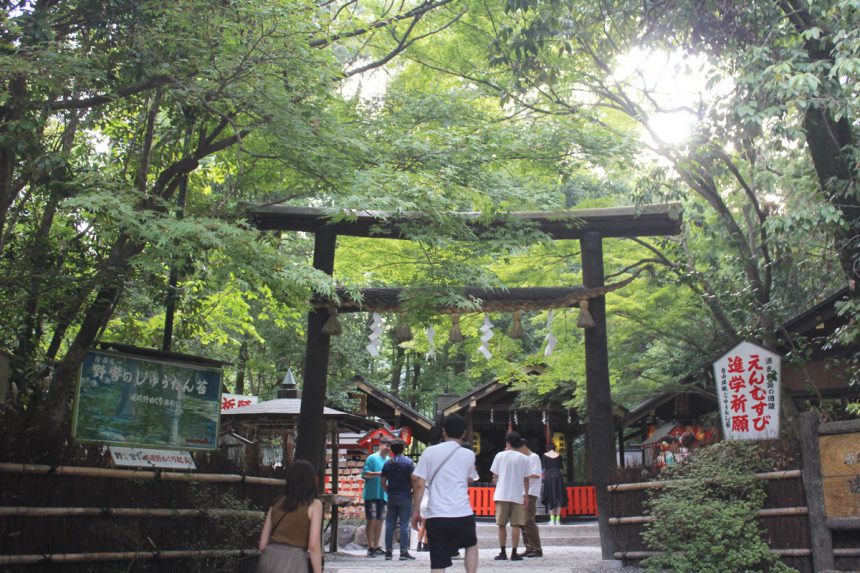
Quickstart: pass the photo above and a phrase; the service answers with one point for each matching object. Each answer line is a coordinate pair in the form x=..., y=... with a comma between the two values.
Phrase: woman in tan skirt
x=291, y=534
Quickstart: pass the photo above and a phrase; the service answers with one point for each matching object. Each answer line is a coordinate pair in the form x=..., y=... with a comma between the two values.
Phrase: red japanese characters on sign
x=233, y=401
x=748, y=389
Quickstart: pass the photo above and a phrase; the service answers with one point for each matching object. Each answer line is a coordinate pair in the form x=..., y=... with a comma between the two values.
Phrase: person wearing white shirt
x=511, y=475
x=531, y=536
x=446, y=469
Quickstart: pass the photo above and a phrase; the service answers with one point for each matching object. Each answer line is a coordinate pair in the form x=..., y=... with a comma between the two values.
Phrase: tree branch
x=414, y=13
x=150, y=84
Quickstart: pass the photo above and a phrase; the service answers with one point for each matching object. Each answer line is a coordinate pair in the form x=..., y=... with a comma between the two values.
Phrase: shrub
x=705, y=518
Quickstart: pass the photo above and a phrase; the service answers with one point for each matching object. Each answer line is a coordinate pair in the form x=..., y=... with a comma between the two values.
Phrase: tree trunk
x=397, y=368
x=50, y=412
x=416, y=375
x=11, y=113
x=240, y=367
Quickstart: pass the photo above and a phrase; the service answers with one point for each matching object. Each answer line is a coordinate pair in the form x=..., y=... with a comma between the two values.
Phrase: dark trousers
x=531, y=537
x=398, y=509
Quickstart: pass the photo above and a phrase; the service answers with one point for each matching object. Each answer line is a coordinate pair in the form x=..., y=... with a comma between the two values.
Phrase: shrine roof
x=382, y=400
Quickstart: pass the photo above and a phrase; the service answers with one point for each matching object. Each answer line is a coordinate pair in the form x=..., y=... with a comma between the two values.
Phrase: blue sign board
x=129, y=400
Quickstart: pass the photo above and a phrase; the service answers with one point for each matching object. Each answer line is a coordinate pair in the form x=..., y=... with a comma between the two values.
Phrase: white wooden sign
x=748, y=388
x=146, y=458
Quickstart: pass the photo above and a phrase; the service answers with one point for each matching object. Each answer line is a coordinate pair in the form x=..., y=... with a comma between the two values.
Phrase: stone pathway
x=573, y=548
x=556, y=559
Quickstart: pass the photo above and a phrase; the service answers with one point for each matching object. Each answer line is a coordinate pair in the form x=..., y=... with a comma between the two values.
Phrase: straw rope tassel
x=517, y=331
x=455, y=334
x=585, y=319
x=332, y=326
x=403, y=332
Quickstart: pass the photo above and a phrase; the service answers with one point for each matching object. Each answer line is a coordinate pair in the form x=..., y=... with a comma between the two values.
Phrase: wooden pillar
x=335, y=476
x=470, y=425
x=291, y=446
x=819, y=534
x=569, y=453
x=598, y=399
x=311, y=439
x=621, y=461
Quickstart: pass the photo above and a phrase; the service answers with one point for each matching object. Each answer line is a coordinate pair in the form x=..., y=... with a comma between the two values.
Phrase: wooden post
x=291, y=446
x=470, y=424
x=621, y=461
x=821, y=539
x=598, y=399
x=335, y=475
x=569, y=453
x=310, y=444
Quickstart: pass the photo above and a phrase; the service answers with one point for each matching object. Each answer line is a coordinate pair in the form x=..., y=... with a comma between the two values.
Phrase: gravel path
x=555, y=560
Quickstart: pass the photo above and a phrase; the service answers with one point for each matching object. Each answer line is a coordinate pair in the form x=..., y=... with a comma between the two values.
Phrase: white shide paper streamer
x=550, y=339
x=375, y=335
x=430, y=332
x=487, y=330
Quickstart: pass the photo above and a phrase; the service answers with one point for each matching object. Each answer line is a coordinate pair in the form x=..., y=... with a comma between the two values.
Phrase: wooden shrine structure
x=490, y=409
x=375, y=402
x=588, y=226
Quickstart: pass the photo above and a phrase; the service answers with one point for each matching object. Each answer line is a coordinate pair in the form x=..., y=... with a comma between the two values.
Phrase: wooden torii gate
x=589, y=226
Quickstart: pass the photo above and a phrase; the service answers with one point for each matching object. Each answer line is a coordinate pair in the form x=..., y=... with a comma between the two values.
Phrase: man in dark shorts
x=445, y=469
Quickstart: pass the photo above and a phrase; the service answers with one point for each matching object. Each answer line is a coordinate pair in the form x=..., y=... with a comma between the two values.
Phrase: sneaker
x=371, y=553
x=501, y=557
x=456, y=555
x=423, y=547
x=406, y=556
x=388, y=556
x=537, y=553
x=379, y=551
x=516, y=556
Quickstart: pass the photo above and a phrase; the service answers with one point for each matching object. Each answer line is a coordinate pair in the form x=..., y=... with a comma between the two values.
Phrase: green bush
x=705, y=519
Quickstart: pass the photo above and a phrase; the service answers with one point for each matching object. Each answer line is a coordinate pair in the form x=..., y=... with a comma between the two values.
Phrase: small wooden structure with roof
x=491, y=410
x=374, y=402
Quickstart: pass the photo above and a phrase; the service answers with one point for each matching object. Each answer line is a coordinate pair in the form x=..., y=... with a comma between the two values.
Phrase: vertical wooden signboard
x=840, y=473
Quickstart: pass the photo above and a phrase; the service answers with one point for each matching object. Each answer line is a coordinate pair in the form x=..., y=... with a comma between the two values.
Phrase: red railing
x=482, y=500
x=581, y=500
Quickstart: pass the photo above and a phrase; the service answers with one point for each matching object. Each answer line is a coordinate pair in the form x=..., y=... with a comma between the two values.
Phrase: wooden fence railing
x=796, y=521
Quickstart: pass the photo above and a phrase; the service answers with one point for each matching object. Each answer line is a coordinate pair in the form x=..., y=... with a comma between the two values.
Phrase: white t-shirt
x=449, y=488
x=511, y=467
x=535, y=468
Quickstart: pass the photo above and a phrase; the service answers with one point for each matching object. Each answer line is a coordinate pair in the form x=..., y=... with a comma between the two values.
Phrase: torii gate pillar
x=601, y=431
x=312, y=428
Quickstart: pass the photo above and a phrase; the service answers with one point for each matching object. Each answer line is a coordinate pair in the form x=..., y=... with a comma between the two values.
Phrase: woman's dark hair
x=301, y=488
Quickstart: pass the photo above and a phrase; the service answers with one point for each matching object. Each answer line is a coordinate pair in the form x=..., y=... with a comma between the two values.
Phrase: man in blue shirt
x=374, y=497
x=397, y=481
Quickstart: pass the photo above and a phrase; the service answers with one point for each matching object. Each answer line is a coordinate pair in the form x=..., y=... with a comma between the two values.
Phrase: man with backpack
x=397, y=482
